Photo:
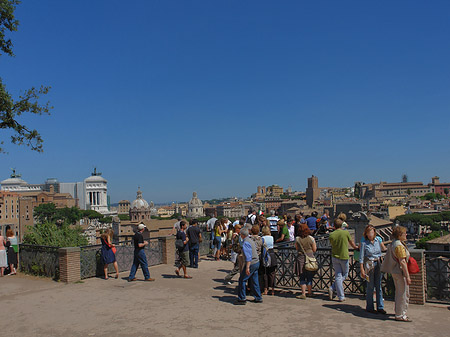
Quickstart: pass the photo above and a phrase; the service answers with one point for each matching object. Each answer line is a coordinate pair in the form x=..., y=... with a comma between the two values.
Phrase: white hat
x=141, y=226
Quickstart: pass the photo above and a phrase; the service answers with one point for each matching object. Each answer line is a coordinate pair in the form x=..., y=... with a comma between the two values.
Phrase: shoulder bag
x=310, y=262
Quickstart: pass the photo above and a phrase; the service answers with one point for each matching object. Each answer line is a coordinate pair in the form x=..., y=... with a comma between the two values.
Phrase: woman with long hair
x=108, y=255
x=217, y=239
x=305, y=245
x=11, y=243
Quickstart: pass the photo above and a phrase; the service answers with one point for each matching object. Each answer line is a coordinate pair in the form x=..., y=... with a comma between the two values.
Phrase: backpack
x=249, y=219
x=266, y=259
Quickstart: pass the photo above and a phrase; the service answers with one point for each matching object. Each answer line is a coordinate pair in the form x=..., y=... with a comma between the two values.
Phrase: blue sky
x=219, y=97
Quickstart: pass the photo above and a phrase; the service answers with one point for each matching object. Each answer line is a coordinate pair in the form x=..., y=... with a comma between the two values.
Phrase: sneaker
x=371, y=311
x=228, y=282
x=132, y=279
x=149, y=279
x=258, y=301
x=330, y=293
x=240, y=302
x=382, y=311
x=341, y=300
x=301, y=297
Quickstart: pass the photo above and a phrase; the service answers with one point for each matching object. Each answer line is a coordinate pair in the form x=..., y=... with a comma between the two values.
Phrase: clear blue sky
x=221, y=96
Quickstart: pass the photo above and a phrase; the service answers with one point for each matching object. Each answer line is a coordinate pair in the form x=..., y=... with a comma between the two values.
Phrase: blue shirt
x=371, y=251
x=247, y=249
x=312, y=223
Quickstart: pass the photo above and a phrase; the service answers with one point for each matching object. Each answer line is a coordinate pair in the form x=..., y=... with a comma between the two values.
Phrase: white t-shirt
x=273, y=223
x=291, y=233
x=268, y=240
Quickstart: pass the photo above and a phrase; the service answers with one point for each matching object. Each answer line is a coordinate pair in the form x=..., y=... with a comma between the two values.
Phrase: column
x=69, y=264
x=168, y=249
x=418, y=281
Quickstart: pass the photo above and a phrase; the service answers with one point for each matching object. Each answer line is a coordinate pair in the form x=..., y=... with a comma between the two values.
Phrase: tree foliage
x=49, y=234
x=11, y=109
x=421, y=244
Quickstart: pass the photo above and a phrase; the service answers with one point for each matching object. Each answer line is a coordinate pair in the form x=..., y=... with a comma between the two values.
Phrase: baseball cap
x=141, y=226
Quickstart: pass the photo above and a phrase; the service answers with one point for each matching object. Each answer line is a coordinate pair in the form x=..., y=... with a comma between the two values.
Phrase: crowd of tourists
x=249, y=244
x=8, y=252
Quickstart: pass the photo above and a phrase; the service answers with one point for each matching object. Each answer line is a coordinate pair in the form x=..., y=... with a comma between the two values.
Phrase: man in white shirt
x=273, y=219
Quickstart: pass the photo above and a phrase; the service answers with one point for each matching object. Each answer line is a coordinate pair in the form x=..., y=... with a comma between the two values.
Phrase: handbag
x=114, y=250
x=413, y=267
x=310, y=262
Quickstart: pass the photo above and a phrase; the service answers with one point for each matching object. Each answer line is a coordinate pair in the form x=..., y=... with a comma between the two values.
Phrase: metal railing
x=324, y=277
x=438, y=276
x=91, y=264
x=39, y=260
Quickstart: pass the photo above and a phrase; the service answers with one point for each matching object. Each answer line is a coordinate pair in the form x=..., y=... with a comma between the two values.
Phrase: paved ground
x=202, y=306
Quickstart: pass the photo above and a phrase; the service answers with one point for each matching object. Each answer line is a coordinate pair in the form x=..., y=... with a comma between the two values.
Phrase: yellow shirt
x=400, y=252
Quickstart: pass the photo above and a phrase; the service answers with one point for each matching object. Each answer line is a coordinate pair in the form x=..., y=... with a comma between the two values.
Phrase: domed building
x=96, y=192
x=16, y=184
x=195, y=207
x=140, y=209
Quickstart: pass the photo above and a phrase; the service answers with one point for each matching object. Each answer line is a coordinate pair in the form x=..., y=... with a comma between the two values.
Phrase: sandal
x=177, y=272
x=187, y=276
x=403, y=319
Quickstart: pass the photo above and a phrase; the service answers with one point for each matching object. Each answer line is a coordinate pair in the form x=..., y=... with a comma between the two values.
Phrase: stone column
x=417, y=289
x=69, y=264
x=168, y=248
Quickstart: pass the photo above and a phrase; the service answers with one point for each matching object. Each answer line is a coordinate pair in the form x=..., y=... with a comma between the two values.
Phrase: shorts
x=184, y=258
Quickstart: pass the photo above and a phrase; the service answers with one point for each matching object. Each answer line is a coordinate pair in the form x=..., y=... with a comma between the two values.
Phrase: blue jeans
x=340, y=271
x=374, y=282
x=212, y=240
x=193, y=255
x=217, y=243
x=307, y=277
x=254, y=284
x=139, y=259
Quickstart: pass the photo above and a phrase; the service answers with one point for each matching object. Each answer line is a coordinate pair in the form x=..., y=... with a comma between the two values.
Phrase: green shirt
x=339, y=244
x=285, y=231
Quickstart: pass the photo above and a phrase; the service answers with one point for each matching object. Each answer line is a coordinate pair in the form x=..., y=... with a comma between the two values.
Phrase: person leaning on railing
x=304, y=244
x=370, y=254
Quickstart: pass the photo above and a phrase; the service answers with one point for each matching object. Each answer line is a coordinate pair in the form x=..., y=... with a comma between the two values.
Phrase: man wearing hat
x=139, y=255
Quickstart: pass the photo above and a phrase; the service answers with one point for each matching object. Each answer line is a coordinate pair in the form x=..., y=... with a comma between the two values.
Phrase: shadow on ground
x=357, y=311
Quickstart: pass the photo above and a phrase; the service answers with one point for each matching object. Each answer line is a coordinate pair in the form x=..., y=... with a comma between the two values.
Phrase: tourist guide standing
x=339, y=239
x=139, y=255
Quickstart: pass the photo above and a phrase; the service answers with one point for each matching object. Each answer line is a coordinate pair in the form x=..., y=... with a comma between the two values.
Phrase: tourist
x=291, y=229
x=369, y=260
x=210, y=228
x=236, y=256
x=326, y=218
x=224, y=223
x=340, y=239
x=195, y=237
x=298, y=220
x=250, y=270
x=269, y=272
x=3, y=258
x=283, y=231
x=139, y=255
x=183, y=252
x=251, y=217
x=176, y=226
x=273, y=220
x=13, y=248
x=107, y=254
x=305, y=245
x=400, y=273
x=343, y=217
x=311, y=221
x=217, y=239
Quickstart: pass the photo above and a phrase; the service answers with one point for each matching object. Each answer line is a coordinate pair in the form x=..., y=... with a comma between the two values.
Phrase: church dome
x=95, y=177
x=13, y=181
x=195, y=201
x=139, y=202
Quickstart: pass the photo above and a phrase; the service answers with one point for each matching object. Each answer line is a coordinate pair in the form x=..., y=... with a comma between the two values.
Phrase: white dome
x=13, y=181
x=95, y=179
x=139, y=202
x=195, y=202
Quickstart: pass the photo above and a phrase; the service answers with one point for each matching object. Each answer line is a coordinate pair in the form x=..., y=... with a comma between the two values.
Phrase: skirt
x=12, y=256
x=3, y=259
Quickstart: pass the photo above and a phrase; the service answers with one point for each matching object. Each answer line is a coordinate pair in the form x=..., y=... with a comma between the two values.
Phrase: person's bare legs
x=116, y=267
x=105, y=269
x=13, y=270
x=310, y=290
x=2, y=270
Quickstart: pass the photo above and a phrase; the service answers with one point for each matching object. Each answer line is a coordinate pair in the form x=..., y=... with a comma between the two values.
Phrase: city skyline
x=219, y=98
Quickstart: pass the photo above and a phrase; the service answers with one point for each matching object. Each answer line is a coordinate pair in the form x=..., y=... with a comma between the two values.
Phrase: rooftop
x=173, y=306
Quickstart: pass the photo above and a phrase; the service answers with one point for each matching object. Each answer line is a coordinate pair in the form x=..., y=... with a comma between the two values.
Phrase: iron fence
x=438, y=276
x=324, y=277
x=91, y=264
x=39, y=260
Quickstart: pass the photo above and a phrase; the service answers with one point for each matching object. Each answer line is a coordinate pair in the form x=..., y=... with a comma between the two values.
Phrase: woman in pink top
x=3, y=259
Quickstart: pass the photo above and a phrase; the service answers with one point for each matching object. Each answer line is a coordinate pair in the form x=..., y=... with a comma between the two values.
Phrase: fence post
x=168, y=249
x=417, y=289
x=69, y=264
